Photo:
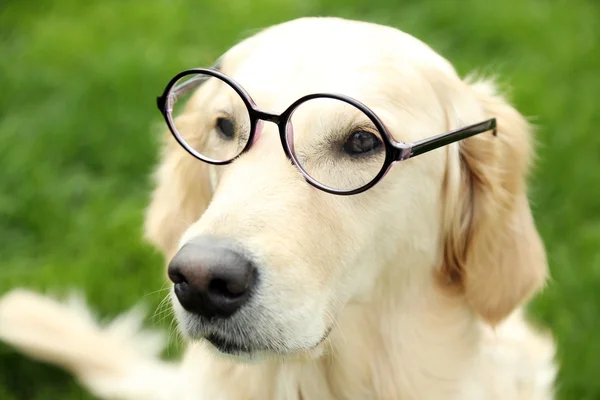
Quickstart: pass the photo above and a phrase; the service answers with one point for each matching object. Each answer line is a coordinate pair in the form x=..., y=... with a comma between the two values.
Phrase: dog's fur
x=421, y=280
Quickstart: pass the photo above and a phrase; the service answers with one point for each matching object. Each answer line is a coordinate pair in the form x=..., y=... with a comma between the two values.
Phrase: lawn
x=78, y=81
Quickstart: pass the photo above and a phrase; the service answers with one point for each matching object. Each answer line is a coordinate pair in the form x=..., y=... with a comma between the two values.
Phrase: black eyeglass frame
x=394, y=150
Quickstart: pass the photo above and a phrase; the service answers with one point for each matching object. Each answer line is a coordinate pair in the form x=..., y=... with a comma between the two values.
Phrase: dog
x=285, y=288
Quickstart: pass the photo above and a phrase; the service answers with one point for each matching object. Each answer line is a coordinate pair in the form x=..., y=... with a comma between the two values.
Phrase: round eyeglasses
x=344, y=147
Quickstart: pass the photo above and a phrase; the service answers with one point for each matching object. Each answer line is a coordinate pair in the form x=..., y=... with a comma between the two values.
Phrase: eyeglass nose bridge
x=267, y=116
x=260, y=117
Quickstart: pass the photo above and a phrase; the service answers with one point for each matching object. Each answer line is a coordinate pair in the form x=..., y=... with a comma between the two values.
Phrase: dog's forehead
x=308, y=55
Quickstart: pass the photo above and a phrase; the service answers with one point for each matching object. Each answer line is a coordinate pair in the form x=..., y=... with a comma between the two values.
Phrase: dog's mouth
x=230, y=347
x=227, y=346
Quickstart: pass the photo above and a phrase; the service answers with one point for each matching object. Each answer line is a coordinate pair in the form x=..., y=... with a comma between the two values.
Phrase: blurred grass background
x=78, y=81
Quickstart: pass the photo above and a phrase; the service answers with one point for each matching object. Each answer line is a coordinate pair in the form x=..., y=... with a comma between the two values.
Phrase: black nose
x=212, y=277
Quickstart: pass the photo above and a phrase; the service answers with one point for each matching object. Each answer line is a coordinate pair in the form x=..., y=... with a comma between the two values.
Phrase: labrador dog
x=343, y=217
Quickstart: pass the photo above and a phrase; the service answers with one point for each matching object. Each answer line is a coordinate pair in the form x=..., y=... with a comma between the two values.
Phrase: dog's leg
x=116, y=361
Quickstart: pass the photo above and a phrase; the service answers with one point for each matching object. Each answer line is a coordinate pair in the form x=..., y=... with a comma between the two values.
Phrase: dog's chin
x=222, y=346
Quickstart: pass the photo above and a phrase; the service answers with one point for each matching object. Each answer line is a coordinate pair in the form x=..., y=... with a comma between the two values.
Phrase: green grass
x=78, y=81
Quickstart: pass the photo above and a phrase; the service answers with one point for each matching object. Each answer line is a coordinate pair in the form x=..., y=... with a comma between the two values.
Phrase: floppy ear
x=182, y=192
x=492, y=247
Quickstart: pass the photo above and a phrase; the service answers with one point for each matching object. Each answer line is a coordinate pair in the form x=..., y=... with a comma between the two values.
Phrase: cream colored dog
x=410, y=290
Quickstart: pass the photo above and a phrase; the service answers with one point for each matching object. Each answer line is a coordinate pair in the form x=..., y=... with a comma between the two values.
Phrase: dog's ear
x=492, y=248
x=182, y=192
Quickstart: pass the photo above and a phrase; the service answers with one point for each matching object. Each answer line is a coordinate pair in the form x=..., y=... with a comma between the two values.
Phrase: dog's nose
x=212, y=277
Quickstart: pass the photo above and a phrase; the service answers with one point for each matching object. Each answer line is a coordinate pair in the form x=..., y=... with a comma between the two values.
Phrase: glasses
x=344, y=148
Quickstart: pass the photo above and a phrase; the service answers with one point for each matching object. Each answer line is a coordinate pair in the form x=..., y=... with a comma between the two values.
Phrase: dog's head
x=283, y=258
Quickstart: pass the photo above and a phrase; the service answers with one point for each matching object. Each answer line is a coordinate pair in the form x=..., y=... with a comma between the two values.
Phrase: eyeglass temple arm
x=432, y=143
x=177, y=91
x=185, y=87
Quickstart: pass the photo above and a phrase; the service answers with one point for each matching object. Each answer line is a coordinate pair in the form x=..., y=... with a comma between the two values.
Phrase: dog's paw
x=117, y=360
x=48, y=329
x=25, y=314
x=38, y=325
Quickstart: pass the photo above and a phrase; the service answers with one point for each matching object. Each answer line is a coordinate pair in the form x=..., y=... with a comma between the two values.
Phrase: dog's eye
x=225, y=128
x=361, y=142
